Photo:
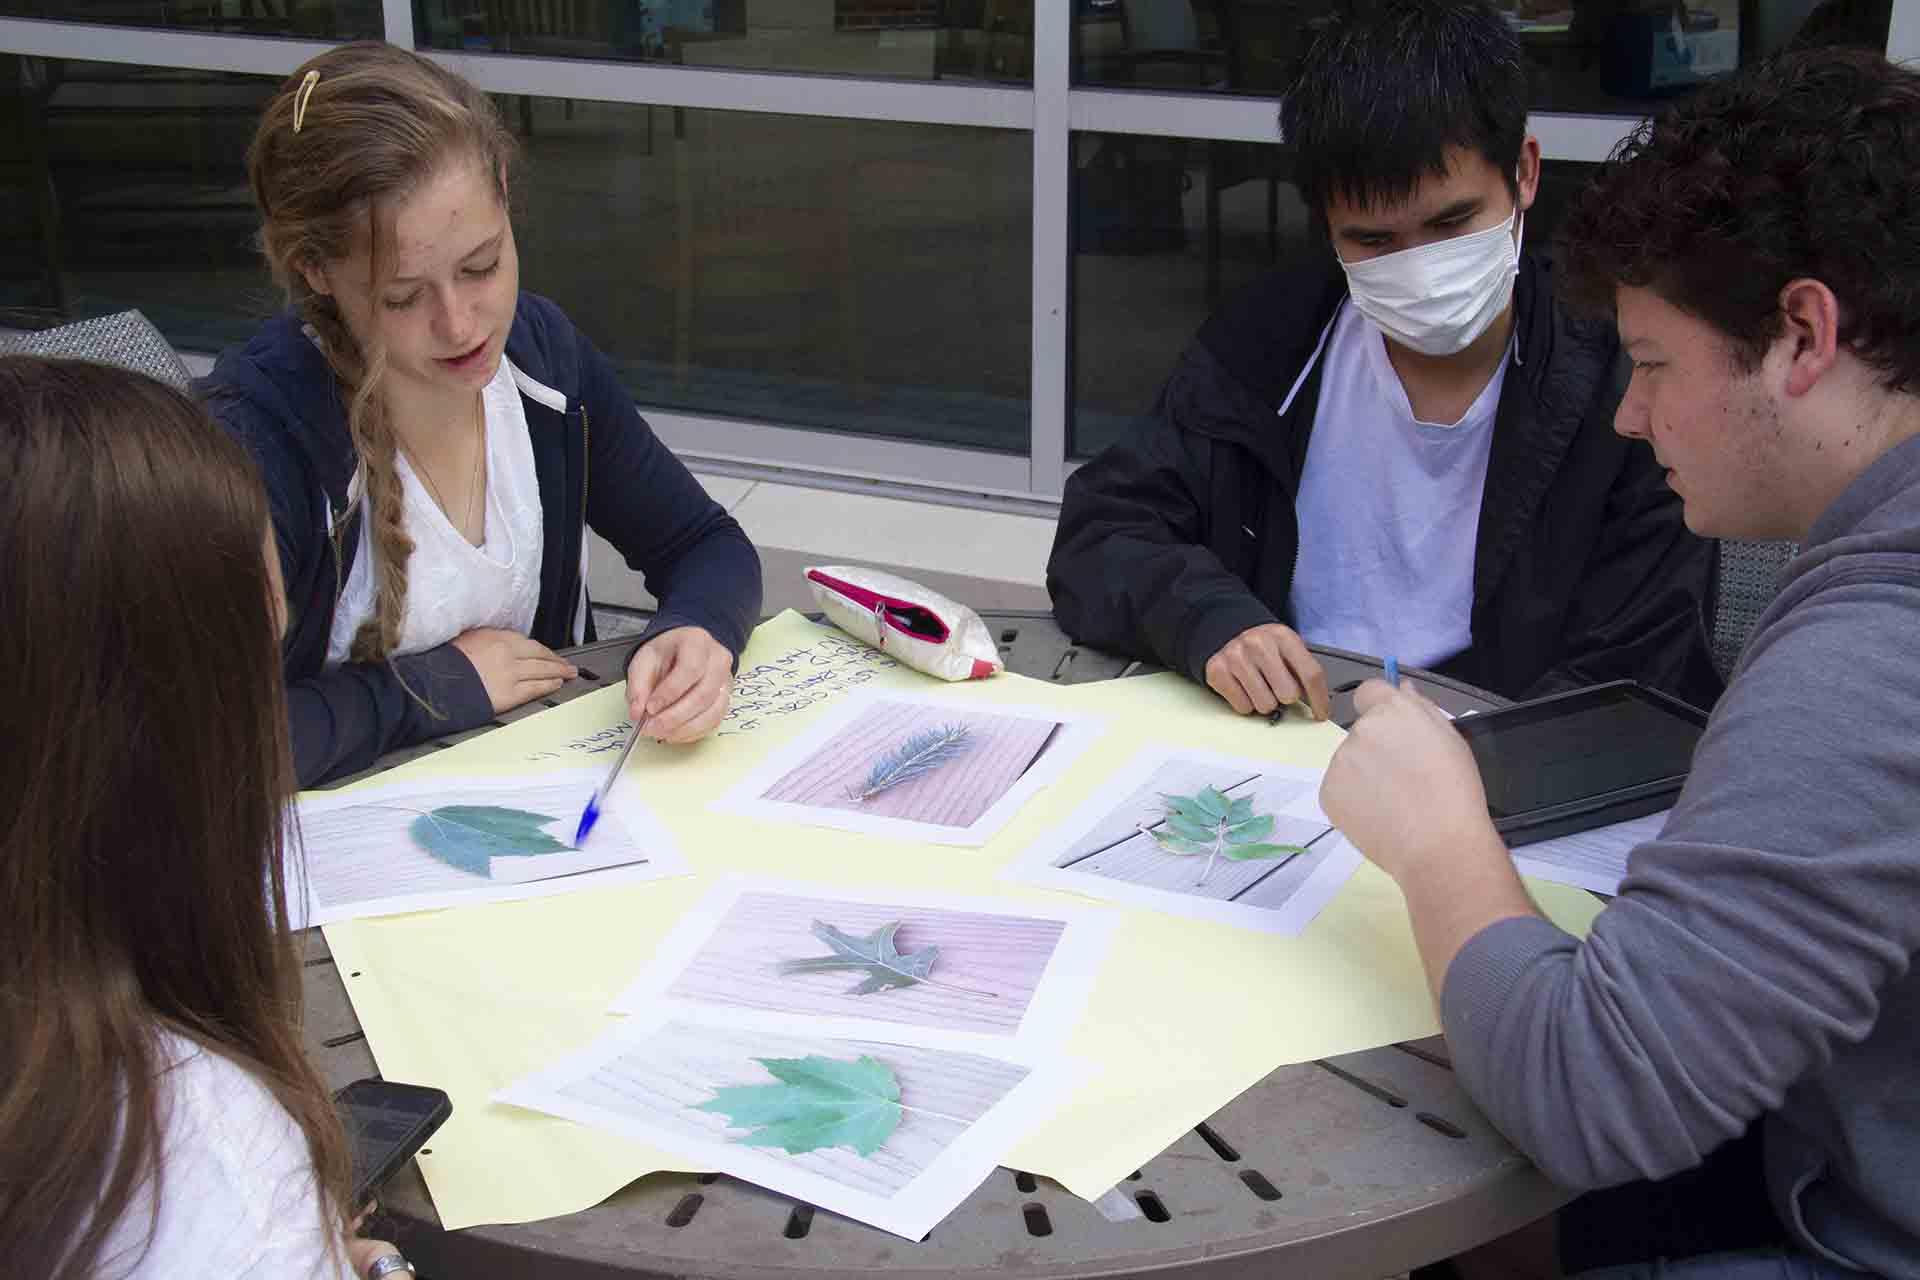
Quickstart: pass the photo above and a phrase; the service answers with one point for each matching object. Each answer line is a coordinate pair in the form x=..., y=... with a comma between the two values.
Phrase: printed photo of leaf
x=1209, y=823
x=431, y=842
x=471, y=836
x=919, y=754
x=885, y=1132
x=1173, y=828
x=815, y=1102
x=886, y=967
x=895, y=760
x=909, y=962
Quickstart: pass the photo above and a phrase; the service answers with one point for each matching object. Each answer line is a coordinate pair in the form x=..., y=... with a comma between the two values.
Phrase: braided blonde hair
x=350, y=133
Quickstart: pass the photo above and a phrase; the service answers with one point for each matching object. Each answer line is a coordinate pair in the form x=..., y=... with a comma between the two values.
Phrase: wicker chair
x=1749, y=579
x=125, y=339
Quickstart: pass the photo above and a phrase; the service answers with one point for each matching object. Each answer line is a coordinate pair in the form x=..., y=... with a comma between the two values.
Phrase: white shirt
x=452, y=585
x=237, y=1196
x=1389, y=509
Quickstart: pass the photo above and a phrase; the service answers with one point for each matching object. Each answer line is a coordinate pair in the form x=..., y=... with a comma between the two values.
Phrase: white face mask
x=1437, y=298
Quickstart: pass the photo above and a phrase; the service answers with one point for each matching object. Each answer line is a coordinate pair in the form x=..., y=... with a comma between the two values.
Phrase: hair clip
x=300, y=96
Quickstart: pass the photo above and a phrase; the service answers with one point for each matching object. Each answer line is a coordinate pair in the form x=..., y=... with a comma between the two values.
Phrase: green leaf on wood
x=816, y=1103
x=886, y=966
x=1179, y=844
x=1187, y=829
x=1212, y=803
x=469, y=836
x=1209, y=824
x=1253, y=852
x=1251, y=829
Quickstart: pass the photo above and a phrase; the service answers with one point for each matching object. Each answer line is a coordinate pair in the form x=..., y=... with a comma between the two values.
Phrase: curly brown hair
x=1806, y=165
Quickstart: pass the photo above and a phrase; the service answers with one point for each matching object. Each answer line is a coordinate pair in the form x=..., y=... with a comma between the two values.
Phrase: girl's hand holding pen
x=679, y=684
x=1403, y=787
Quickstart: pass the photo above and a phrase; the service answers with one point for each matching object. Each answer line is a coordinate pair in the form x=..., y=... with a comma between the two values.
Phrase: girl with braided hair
x=436, y=442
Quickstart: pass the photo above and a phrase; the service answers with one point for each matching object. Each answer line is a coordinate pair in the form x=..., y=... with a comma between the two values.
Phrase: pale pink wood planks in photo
x=998, y=750
x=1001, y=956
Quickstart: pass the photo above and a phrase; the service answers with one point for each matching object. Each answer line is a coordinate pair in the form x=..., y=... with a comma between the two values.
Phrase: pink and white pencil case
x=905, y=620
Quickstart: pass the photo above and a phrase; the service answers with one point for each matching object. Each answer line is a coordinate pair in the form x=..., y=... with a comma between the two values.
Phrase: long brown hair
x=141, y=880
x=374, y=121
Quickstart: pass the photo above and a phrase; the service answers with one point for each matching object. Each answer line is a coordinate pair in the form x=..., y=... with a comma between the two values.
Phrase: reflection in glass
x=1629, y=56
x=126, y=186
x=1219, y=46
x=897, y=39
x=1595, y=56
x=310, y=19
x=864, y=277
x=1155, y=251
x=856, y=276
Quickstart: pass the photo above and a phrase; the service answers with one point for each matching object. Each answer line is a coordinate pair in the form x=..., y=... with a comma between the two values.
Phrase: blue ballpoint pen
x=592, y=815
x=1393, y=671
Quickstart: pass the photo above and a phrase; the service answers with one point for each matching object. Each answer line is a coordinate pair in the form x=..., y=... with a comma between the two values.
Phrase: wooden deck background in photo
x=681, y=1066
x=1002, y=954
x=955, y=794
x=1118, y=850
x=364, y=852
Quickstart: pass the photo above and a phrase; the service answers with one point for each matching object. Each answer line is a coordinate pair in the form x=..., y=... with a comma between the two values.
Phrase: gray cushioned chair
x=1749, y=579
x=126, y=339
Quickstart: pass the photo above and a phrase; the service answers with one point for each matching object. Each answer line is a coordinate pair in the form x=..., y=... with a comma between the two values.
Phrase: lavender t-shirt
x=1389, y=509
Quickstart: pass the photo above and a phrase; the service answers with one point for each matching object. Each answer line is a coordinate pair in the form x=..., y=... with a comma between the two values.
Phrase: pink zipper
x=887, y=608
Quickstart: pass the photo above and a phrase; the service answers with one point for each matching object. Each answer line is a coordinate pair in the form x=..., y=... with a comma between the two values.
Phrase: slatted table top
x=1362, y=1165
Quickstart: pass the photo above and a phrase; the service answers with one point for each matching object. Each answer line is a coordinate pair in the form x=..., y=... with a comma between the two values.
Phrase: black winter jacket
x=277, y=396
x=1183, y=534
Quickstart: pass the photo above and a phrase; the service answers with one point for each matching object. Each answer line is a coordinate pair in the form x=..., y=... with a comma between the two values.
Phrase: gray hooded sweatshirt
x=1759, y=959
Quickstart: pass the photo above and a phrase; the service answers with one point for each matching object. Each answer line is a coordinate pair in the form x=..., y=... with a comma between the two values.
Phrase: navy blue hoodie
x=277, y=396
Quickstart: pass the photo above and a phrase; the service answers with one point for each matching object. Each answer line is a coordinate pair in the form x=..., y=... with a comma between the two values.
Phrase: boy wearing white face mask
x=1404, y=446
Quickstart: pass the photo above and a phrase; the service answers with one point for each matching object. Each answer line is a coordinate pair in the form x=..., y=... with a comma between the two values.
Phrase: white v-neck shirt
x=1389, y=508
x=452, y=585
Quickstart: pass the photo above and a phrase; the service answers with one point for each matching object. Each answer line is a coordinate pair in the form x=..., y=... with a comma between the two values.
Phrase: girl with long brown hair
x=436, y=442
x=157, y=1115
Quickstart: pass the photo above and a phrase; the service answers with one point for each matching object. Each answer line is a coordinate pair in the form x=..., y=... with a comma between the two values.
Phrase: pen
x=592, y=815
x=1393, y=671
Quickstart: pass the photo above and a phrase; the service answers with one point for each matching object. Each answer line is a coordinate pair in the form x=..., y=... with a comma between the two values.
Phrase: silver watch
x=389, y=1264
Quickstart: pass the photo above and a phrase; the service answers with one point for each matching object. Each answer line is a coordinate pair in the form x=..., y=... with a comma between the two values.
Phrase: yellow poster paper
x=1184, y=1017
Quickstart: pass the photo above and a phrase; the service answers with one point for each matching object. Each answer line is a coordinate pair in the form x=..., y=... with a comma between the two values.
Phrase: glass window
x=126, y=187
x=856, y=276
x=1629, y=56
x=1213, y=46
x=1586, y=56
x=1163, y=228
x=311, y=19
x=896, y=39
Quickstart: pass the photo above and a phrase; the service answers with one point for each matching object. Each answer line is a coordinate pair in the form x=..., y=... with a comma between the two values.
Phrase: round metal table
x=1363, y=1165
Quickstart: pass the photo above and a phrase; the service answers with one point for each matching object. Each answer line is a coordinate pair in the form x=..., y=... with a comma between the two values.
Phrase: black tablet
x=1582, y=759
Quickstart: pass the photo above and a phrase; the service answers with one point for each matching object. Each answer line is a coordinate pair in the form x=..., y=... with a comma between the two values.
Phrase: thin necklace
x=473, y=486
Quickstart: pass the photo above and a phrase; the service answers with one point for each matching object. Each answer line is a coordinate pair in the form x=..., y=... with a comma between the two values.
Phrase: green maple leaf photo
x=814, y=1103
x=1209, y=823
x=876, y=955
x=470, y=836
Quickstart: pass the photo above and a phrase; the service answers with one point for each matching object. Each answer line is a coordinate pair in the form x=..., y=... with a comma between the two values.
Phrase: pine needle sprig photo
x=914, y=757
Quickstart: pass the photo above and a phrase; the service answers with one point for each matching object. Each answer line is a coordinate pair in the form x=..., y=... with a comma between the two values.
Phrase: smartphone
x=1582, y=759
x=386, y=1125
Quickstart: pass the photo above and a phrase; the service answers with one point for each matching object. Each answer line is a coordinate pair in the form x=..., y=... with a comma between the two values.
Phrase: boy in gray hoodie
x=1759, y=247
